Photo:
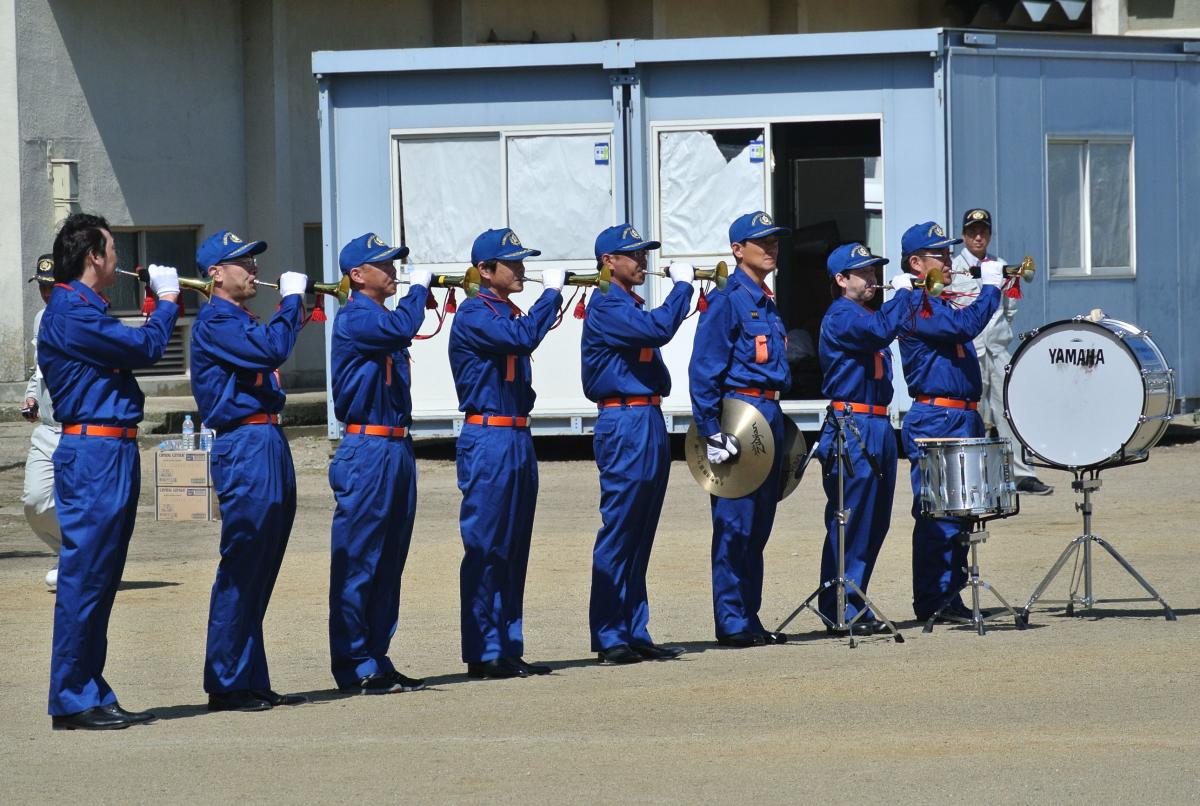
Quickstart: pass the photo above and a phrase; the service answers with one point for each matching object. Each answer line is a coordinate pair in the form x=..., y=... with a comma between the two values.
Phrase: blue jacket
x=368, y=359
x=234, y=359
x=621, y=356
x=740, y=342
x=937, y=353
x=87, y=357
x=855, y=360
x=490, y=345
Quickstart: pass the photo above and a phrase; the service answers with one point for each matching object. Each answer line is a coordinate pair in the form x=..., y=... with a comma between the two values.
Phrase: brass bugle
x=204, y=287
x=934, y=283
x=719, y=274
x=1025, y=270
x=601, y=279
x=469, y=281
x=340, y=289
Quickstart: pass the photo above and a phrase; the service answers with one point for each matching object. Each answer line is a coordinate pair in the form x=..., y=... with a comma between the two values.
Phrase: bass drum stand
x=841, y=582
x=1087, y=481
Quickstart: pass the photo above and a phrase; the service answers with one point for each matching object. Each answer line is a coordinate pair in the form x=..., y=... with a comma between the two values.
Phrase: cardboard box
x=186, y=504
x=181, y=469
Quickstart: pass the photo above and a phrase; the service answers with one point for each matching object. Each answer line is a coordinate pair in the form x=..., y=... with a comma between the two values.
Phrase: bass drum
x=1082, y=394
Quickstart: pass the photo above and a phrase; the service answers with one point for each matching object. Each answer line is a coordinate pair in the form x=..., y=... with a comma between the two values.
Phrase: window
x=1089, y=200
x=706, y=179
x=555, y=189
x=141, y=247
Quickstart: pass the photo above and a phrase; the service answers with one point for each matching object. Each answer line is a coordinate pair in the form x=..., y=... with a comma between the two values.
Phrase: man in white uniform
x=991, y=346
x=38, y=496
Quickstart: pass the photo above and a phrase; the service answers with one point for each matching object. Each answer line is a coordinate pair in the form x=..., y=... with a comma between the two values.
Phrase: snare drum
x=966, y=478
x=1082, y=394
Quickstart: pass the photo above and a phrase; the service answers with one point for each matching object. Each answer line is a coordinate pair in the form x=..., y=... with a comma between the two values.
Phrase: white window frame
x=502, y=134
x=1087, y=270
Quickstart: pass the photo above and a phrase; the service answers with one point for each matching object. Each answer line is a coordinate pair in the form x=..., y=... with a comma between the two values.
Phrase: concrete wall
x=12, y=352
x=155, y=121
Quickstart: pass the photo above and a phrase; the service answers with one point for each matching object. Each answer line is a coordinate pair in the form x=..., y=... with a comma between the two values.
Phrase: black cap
x=977, y=215
x=43, y=272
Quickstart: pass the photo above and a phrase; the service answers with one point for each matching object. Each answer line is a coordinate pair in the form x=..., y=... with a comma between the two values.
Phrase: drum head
x=1074, y=394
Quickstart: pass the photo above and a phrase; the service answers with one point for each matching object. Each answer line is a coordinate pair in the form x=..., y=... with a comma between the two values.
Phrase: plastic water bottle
x=189, y=433
x=206, y=438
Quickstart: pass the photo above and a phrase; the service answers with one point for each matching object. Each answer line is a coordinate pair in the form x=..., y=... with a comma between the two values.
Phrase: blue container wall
x=1001, y=110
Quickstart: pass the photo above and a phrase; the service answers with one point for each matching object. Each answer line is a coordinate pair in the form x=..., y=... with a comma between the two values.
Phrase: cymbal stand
x=1088, y=482
x=841, y=582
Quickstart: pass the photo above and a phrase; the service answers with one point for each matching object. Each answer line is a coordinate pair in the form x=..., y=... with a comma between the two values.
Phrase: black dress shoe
x=407, y=683
x=135, y=717
x=274, y=699
x=92, y=719
x=492, y=670
x=237, y=701
x=774, y=637
x=529, y=668
x=619, y=655
x=657, y=651
x=741, y=640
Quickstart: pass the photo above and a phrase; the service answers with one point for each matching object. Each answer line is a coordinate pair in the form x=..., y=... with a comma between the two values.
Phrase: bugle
x=204, y=287
x=469, y=281
x=340, y=289
x=1025, y=270
x=601, y=279
x=934, y=283
x=719, y=274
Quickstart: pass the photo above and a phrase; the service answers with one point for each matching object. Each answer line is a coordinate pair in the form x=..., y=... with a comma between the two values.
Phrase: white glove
x=163, y=280
x=292, y=282
x=991, y=272
x=420, y=277
x=721, y=448
x=901, y=282
x=554, y=278
x=681, y=272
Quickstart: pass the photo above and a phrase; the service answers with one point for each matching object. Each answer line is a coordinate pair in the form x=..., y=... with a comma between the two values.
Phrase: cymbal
x=744, y=473
x=794, y=458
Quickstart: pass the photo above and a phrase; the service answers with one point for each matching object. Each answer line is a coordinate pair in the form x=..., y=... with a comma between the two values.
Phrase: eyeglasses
x=943, y=257
x=247, y=263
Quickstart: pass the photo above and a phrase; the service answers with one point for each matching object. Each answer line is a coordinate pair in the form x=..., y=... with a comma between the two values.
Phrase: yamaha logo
x=1079, y=357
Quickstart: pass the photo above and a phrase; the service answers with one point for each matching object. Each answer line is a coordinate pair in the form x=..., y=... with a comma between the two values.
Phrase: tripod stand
x=1087, y=482
x=974, y=581
x=841, y=582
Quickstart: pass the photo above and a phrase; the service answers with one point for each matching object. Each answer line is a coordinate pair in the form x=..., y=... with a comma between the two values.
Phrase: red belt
x=378, y=430
x=496, y=419
x=859, y=408
x=640, y=400
x=769, y=394
x=948, y=402
x=260, y=419
x=101, y=431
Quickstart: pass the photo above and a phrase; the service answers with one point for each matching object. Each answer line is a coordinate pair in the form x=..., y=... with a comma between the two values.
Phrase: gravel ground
x=1100, y=707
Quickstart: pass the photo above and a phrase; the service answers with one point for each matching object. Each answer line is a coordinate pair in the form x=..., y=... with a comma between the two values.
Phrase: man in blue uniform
x=942, y=374
x=856, y=365
x=624, y=374
x=490, y=344
x=739, y=353
x=236, y=386
x=373, y=474
x=87, y=359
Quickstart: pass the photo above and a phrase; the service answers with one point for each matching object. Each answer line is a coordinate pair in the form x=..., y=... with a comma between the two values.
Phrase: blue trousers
x=634, y=458
x=256, y=484
x=96, y=485
x=938, y=559
x=498, y=477
x=741, y=527
x=374, y=481
x=869, y=499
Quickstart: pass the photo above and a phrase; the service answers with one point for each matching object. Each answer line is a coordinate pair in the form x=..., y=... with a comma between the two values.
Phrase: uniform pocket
x=759, y=335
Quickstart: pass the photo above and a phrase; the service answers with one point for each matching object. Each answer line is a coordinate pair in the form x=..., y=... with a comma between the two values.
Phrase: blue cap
x=754, y=225
x=223, y=246
x=499, y=244
x=928, y=235
x=621, y=238
x=368, y=249
x=851, y=256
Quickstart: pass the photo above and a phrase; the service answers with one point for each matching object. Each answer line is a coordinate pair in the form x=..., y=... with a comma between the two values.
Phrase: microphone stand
x=841, y=582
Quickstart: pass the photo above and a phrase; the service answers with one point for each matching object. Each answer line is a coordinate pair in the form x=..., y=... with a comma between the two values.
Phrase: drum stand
x=841, y=582
x=1087, y=485
x=974, y=581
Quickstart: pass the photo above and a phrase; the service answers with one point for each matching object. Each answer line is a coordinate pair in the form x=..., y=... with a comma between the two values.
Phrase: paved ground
x=1100, y=708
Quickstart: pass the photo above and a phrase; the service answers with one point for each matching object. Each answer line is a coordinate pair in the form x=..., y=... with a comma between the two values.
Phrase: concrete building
x=175, y=120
